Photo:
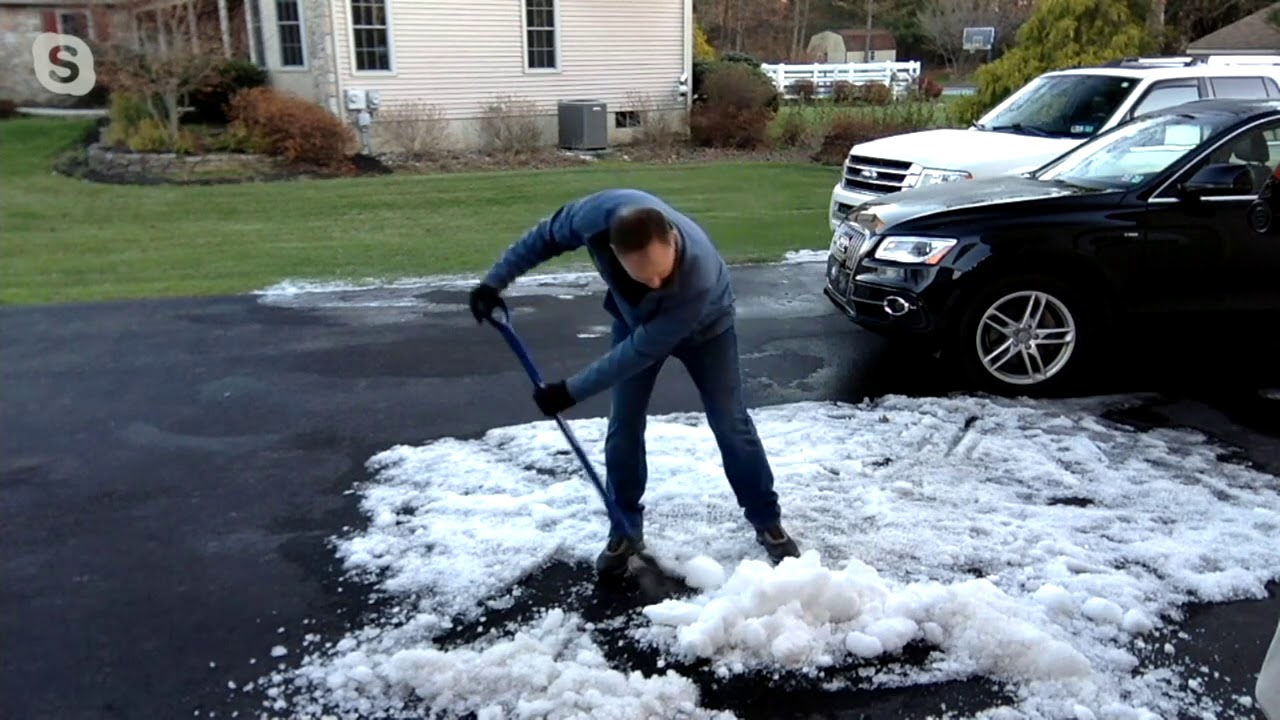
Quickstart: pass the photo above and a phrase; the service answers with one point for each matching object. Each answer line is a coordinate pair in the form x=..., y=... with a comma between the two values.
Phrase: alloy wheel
x=1026, y=337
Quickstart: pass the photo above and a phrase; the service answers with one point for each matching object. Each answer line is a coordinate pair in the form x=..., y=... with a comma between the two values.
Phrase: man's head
x=645, y=243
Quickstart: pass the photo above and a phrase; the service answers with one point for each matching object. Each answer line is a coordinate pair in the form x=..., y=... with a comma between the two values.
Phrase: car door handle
x=1132, y=234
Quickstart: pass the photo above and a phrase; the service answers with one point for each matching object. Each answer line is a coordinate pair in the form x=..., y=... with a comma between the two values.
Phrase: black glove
x=484, y=300
x=553, y=399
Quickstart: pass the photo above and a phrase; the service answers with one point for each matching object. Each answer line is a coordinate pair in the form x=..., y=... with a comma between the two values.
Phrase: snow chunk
x=704, y=573
x=1103, y=611
x=1136, y=622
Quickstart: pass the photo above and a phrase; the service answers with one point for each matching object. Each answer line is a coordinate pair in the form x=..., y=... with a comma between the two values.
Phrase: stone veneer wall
x=19, y=27
x=318, y=83
x=171, y=167
x=324, y=70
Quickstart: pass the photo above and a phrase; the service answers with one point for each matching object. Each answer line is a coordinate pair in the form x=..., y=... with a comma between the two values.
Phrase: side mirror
x=1221, y=180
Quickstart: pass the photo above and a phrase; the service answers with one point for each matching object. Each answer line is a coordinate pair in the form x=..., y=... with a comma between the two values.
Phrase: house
x=849, y=46
x=456, y=56
x=21, y=21
x=460, y=56
x=1256, y=34
x=98, y=22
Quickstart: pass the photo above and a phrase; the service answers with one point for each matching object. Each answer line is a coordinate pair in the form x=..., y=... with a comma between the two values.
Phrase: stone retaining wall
x=170, y=167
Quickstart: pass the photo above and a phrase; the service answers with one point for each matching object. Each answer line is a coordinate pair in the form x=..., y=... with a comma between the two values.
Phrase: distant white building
x=849, y=46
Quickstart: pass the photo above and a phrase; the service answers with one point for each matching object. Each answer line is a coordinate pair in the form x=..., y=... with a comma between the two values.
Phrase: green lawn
x=69, y=240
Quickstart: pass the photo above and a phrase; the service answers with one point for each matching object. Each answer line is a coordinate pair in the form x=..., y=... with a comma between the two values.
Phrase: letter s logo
x=78, y=79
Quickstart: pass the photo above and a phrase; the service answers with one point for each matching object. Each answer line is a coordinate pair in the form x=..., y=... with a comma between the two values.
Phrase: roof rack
x=1181, y=61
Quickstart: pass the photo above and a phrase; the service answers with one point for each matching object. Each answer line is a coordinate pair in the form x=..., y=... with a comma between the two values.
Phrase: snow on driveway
x=1029, y=542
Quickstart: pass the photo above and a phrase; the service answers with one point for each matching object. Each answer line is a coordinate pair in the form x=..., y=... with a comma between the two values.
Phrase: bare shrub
x=165, y=77
x=415, y=131
x=793, y=128
x=737, y=109
x=864, y=124
x=510, y=125
x=658, y=128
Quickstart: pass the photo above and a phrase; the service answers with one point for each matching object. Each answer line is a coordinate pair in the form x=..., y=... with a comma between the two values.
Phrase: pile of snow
x=1031, y=543
x=550, y=669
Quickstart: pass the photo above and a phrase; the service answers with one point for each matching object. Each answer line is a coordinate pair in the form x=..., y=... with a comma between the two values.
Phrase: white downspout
x=339, y=101
x=688, y=54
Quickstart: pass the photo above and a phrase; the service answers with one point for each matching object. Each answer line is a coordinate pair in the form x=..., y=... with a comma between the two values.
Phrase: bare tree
x=799, y=27
x=944, y=21
x=172, y=58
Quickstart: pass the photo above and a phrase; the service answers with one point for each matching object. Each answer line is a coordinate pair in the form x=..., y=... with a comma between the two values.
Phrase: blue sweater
x=697, y=303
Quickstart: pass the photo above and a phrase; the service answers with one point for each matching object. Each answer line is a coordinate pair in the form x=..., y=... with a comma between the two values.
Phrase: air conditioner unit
x=584, y=124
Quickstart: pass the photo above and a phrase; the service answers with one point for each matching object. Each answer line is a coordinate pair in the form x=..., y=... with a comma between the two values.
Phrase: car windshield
x=1067, y=106
x=1134, y=152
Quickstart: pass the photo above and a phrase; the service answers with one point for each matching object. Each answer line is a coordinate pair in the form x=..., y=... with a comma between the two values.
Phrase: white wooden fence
x=899, y=76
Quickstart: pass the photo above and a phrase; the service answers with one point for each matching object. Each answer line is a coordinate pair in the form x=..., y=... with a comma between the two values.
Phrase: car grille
x=840, y=269
x=876, y=175
x=857, y=245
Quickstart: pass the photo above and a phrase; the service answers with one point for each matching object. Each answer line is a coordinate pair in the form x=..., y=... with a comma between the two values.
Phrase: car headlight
x=933, y=177
x=914, y=250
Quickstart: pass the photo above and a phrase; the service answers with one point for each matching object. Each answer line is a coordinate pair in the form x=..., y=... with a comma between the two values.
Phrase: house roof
x=855, y=40
x=1255, y=33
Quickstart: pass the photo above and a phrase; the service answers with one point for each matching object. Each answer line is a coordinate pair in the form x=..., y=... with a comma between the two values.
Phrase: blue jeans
x=713, y=366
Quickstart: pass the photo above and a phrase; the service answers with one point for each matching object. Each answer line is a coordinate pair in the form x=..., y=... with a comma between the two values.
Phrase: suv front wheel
x=1023, y=336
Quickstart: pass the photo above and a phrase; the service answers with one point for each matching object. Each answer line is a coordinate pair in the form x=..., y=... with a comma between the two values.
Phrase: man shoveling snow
x=670, y=295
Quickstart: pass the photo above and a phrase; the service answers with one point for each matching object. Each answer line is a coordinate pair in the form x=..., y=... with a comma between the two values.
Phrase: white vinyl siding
x=462, y=54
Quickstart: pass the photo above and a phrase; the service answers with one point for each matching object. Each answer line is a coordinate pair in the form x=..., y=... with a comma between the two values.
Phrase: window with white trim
x=289, y=30
x=370, y=34
x=540, y=35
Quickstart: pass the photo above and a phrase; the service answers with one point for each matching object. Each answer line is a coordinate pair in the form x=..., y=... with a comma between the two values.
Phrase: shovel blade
x=649, y=581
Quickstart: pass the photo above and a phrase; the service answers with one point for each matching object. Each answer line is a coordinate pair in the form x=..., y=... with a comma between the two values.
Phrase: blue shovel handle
x=509, y=334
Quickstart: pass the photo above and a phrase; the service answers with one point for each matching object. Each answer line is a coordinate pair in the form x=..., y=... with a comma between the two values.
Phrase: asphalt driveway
x=170, y=471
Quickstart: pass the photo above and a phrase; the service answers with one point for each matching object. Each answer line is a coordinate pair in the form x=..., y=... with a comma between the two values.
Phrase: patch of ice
x=805, y=256
x=303, y=286
x=1031, y=542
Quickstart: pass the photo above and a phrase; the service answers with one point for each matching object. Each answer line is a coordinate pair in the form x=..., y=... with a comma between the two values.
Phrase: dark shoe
x=613, y=559
x=777, y=543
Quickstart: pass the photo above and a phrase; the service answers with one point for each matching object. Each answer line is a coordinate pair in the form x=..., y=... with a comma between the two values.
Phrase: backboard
x=979, y=38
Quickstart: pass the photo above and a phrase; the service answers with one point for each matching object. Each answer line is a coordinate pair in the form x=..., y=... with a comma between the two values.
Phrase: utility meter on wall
x=373, y=99
x=356, y=99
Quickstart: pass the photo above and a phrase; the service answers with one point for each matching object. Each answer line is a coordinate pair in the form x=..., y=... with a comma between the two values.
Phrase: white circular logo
x=73, y=73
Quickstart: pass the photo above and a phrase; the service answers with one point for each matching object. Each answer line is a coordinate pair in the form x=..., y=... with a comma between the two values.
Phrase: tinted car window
x=1075, y=106
x=1135, y=152
x=1239, y=87
x=1258, y=149
x=1162, y=97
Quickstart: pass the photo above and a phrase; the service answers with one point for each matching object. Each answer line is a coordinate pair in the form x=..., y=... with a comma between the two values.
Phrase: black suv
x=1017, y=279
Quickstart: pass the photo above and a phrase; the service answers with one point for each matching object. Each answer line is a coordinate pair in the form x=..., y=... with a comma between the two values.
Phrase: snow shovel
x=653, y=582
